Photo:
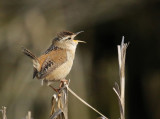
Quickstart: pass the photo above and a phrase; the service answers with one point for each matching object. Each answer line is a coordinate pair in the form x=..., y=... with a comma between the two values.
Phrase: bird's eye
x=69, y=38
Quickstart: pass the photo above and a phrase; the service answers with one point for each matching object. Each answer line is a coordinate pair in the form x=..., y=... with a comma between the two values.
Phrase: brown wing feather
x=51, y=61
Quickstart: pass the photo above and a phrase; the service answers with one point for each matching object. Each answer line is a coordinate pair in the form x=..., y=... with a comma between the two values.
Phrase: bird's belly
x=60, y=72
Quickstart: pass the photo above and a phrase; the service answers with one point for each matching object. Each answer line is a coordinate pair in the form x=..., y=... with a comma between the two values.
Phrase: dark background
x=33, y=24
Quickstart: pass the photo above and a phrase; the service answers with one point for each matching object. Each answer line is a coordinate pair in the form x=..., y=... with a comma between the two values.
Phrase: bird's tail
x=29, y=54
x=33, y=57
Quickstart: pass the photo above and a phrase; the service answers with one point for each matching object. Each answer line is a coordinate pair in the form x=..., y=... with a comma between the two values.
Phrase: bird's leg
x=62, y=83
x=55, y=89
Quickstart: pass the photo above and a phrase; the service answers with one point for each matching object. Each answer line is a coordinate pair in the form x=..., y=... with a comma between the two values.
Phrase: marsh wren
x=56, y=63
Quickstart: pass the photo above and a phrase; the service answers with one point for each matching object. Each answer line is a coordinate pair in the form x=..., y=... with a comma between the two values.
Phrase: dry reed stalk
x=3, y=110
x=120, y=92
x=59, y=102
x=29, y=115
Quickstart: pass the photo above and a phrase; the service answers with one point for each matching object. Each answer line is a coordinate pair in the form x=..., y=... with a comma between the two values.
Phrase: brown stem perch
x=60, y=104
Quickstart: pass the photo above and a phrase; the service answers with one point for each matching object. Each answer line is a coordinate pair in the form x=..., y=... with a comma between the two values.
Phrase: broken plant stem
x=121, y=92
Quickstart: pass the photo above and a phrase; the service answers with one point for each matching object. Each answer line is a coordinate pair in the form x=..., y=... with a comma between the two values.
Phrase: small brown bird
x=56, y=63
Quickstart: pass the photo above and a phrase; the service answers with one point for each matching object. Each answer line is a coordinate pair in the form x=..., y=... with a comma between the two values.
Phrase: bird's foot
x=63, y=81
x=55, y=89
x=61, y=86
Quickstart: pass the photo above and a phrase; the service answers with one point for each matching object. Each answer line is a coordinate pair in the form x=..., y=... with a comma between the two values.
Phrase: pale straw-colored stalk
x=120, y=92
x=3, y=110
x=29, y=115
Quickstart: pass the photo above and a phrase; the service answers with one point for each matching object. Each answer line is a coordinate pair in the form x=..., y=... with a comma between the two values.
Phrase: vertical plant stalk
x=3, y=110
x=120, y=92
x=29, y=115
x=59, y=102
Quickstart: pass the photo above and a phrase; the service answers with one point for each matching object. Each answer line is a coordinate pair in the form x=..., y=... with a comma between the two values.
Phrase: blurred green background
x=34, y=23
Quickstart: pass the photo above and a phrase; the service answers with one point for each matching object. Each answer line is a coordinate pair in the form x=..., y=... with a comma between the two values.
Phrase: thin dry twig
x=120, y=92
x=56, y=114
x=84, y=102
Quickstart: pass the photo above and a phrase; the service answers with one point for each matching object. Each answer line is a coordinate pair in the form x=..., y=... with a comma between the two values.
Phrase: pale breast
x=62, y=71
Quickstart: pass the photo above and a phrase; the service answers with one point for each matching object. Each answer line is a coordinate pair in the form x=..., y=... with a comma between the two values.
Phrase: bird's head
x=66, y=40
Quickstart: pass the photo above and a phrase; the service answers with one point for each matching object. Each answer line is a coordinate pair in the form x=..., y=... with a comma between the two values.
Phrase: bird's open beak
x=78, y=32
x=79, y=40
